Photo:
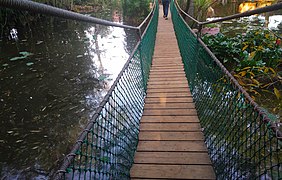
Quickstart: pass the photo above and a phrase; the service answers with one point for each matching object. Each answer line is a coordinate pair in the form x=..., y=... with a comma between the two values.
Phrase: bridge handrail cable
x=26, y=5
x=265, y=9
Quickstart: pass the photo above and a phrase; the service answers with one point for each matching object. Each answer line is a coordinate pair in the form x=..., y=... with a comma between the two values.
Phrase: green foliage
x=255, y=48
x=201, y=8
x=135, y=10
x=226, y=49
x=253, y=58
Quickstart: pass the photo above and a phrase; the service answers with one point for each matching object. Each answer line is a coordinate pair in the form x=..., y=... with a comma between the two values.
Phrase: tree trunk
x=190, y=7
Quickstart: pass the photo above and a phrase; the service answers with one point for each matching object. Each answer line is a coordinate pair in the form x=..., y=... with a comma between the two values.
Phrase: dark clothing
x=165, y=7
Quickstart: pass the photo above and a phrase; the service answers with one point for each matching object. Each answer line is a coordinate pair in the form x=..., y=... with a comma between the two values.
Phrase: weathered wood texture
x=171, y=143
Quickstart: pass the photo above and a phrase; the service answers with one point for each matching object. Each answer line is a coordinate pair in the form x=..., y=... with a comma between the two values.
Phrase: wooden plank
x=173, y=59
x=172, y=171
x=169, y=100
x=169, y=119
x=168, y=74
x=156, y=82
x=163, y=60
x=152, y=71
x=159, y=78
x=174, y=86
x=166, y=90
x=172, y=94
x=173, y=146
x=168, y=70
x=172, y=127
x=172, y=158
x=169, y=112
x=166, y=66
x=169, y=136
x=149, y=106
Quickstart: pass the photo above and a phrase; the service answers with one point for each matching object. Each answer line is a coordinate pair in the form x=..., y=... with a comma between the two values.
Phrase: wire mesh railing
x=243, y=142
x=106, y=147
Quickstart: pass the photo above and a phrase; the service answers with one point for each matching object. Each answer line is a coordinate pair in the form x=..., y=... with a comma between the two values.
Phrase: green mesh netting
x=241, y=142
x=105, y=149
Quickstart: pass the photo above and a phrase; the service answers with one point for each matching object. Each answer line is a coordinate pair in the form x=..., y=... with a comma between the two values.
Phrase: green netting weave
x=105, y=149
x=242, y=141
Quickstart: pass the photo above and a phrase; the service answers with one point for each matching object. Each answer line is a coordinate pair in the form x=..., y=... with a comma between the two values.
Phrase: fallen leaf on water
x=18, y=58
x=29, y=63
x=35, y=131
x=35, y=147
x=39, y=42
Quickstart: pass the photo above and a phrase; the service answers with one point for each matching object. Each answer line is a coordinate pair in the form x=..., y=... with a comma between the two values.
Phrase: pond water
x=53, y=75
x=271, y=20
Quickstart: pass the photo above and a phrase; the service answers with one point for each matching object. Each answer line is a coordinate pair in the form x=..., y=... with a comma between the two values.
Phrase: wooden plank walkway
x=171, y=144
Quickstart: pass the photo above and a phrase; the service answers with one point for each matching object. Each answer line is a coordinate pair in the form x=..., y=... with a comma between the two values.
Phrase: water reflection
x=48, y=96
x=272, y=20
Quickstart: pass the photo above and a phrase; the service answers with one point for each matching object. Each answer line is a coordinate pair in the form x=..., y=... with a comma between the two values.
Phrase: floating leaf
x=24, y=53
x=39, y=42
x=29, y=63
x=18, y=58
x=102, y=77
x=36, y=147
x=35, y=131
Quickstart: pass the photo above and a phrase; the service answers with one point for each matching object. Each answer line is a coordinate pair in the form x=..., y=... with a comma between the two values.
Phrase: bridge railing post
x=199, y=34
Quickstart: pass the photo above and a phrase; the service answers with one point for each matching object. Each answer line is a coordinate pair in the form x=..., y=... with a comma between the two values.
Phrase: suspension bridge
x=174, y=112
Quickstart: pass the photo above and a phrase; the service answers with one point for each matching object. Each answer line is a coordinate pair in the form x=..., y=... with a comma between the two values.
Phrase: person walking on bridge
x=165, y=8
